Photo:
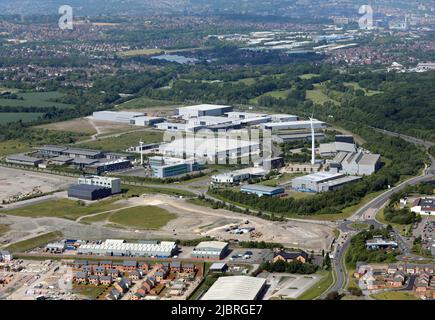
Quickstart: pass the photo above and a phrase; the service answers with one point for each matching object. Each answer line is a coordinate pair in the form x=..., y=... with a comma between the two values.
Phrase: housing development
x=217, y=151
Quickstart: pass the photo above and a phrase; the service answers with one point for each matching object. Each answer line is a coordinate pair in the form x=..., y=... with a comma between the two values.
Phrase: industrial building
x=293, y=125
x=358, y=163
x=239, y=115
x=24, y=160
x=261, y=190
x=114, y=184
x=283, y=138
x=109, y=166
x=56, y=151
x=331, y=149
x=210, y=149
x=145, y=148
x=5, y=256
x=203, y=110
x=238, y=176
x=164, y=167
x=284, y=117
x=117, y=116
x=158, y=249
x=236, y=288
x=171, y=126
x=322, y=181
x=88, y=192
x=145, y=121
x=210, y=250
x=269, y=164
x=342, y=143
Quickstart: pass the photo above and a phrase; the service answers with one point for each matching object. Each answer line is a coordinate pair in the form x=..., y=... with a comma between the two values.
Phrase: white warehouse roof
x=204, y=107
x=235, y=288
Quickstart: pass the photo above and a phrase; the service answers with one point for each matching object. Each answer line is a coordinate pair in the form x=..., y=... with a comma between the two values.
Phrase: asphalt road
x=367, y=213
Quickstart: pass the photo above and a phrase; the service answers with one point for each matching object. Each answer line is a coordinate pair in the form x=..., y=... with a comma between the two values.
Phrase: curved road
x=368, y=212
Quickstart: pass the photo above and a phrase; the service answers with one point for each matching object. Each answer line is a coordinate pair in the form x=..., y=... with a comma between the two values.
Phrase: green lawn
x=35, y=99
x=144, y=102
x=63, y=208
x=89, y=291
x=34, y=242
x=124, y=141
x=318, y=97
x=13, y=146
x=140, y=52
x=319, y=287
x=142, y=217
x=395, y=295
x=277, y=94
x=8, y=117
x=359, y=226
x=308, y=76
x=356, y=86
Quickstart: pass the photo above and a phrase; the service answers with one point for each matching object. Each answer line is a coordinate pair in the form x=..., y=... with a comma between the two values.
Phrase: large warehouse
x=210, y=250
x=236, y=288
x=88, y=192
x=358, y=163
x=23, y=159
x=163, y=249
x=322, y=181
x=291, y=125
x=261, y=190
x=210, y=149
x=114, y=184
x=117, y=116
x=203, y=110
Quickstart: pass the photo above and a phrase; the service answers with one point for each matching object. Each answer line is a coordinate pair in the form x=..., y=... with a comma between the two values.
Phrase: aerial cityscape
x=196, y=150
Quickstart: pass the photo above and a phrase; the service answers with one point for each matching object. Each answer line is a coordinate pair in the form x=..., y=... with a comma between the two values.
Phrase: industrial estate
x=217, y=156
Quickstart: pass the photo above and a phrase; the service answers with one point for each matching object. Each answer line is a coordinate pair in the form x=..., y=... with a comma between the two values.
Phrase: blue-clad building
x=261, y=190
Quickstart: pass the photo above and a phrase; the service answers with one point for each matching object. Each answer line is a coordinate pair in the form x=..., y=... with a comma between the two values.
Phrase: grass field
x=35, y=99
x=63, y=208
x=142, y=217
x=318, y=97
x=123, y=141
x=356, y=86
x=278, y=94
x=395, y=295
x=13, y=146
x=89, y=291
x=34, y=242
x=8, y=117
x=318, y=288
x=308, y=76
x=144, y=102
x=359, y=226
x=139, y=52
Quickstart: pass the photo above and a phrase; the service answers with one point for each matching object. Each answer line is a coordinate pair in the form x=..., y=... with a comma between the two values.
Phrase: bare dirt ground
x=81, y=125
x=192, y=222
x=14, y=182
